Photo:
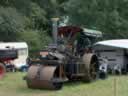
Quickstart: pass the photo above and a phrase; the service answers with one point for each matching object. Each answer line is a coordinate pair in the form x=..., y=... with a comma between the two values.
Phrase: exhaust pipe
x=55, y=29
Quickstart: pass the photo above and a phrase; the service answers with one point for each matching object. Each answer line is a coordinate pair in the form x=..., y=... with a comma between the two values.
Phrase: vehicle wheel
x=2, y=70
x=58, y=86
x=39, y=77
x=123, y=71
x=24, y=69
x=102, y=75
x=91, y=68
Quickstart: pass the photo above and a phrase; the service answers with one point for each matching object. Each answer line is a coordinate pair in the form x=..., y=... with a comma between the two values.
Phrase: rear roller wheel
x=91, y=67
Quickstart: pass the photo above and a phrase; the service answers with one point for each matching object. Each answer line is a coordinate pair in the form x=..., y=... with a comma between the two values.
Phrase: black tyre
x=57, y=86
x=102, y=75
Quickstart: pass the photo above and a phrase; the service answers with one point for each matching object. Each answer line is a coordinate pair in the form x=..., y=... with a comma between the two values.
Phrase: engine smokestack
x=55, y=29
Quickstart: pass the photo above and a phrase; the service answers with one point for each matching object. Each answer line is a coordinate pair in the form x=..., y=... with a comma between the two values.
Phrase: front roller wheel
x=42, y=84
x=2, y=70
x=91, y=67
x=42, y=77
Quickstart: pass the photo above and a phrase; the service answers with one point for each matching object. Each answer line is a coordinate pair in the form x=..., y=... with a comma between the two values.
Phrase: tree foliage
x=109, y=16
x=32, y=18
x=33, y=40
x=11, y=22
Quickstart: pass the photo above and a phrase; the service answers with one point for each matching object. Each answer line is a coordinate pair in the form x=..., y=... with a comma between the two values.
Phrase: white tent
x=120, y=43
x=115, y=50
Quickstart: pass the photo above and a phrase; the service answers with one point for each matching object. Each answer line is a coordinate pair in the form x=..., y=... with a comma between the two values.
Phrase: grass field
x=14, y=85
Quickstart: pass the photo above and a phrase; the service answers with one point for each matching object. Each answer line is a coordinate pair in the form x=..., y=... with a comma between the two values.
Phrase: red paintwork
x=6, y=59
x=2, y=72
x=66, y=30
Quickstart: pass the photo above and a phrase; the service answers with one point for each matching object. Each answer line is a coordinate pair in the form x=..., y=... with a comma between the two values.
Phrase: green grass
x=14, y=85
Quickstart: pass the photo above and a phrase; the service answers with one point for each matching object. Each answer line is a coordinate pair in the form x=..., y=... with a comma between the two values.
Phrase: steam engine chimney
x=55, y=29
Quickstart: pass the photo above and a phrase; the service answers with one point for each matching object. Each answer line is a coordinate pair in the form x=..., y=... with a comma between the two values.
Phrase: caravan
x=22, y=52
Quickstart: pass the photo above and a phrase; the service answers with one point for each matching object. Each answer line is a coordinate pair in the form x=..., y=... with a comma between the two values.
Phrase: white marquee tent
x=115, y=50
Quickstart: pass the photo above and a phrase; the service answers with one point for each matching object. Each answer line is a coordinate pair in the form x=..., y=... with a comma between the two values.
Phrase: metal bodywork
x=65, y=59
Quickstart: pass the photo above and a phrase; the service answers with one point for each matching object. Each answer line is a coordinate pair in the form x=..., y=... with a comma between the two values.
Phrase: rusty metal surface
x=32, y=71
x=87, y=58
x=53, y=62
x=47, y=72
x=42, y=84
x=41, y=77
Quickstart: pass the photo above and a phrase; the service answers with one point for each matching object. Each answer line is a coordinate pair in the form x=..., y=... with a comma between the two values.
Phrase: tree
x=109, y=16
x=11, y=22
x=37, y=16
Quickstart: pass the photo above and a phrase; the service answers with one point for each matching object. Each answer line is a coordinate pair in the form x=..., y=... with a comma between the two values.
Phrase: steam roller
x=52, y=77
x=68, y=58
